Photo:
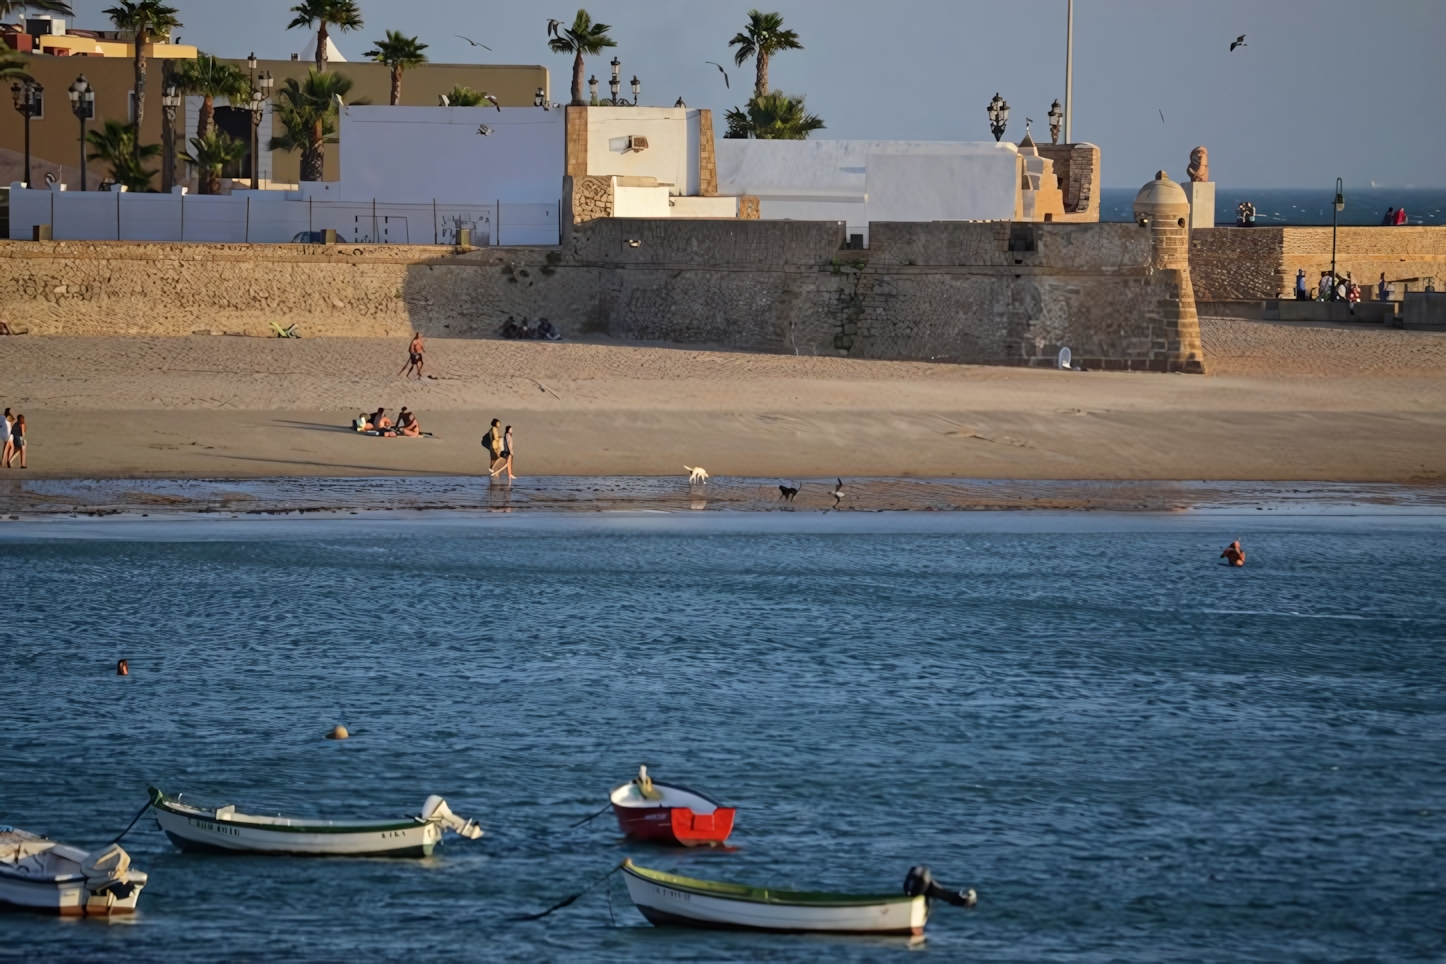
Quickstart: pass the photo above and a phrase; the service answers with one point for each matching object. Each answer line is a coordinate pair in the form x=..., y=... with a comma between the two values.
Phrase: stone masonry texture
x=1118, y=295
x=1259, y=264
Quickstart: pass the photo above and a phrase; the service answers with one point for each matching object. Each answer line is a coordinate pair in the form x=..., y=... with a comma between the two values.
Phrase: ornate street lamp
x=998, y=116
x=592, y=89
x=26, y=94
x=170, y=101
x=1339, y=206
x=82, y=103
x=1056, y=116
x=260, y=93
x=616, y=86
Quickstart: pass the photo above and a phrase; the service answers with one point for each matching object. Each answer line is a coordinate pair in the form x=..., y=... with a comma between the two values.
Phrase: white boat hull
x=68, y=898
x=664, y=905
x=195, y=832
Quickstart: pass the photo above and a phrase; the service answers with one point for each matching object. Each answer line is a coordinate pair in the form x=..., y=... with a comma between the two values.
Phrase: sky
x=1323, y=88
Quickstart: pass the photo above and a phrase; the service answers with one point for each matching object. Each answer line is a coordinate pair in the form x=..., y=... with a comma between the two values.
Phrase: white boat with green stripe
x=226, y=830
x=670, y=900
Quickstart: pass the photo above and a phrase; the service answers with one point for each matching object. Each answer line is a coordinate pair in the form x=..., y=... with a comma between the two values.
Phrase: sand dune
x=1282, y=402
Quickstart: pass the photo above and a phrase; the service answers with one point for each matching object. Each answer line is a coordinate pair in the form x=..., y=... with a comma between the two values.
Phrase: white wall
x=672, y=154
x=417, y=154
x=640, y=202
x=861, y=181
x=272, y=217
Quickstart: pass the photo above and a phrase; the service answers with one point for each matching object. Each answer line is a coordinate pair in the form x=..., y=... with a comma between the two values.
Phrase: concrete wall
x=672, y=154
x=1116, y=294
x=1257, y=264
x=421, y=154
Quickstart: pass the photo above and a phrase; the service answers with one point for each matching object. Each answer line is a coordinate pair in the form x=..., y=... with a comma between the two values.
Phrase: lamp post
x=1339, y=206
x=998, y=116
x=82, y=102
x=260, y=94
x=616, y=85
x=1055, y=116
x=170, y=100
x=26, y=94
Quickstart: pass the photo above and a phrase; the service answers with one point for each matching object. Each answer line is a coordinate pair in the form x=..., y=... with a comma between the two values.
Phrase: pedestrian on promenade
x=1384, y=291
x=414, y=357
x=1353, y=293
x=492, y=442
x=7, y=444
x=1327, y=287
x=1301, y=294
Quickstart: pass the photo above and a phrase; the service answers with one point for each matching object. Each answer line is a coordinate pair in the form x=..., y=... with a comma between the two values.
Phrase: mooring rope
x=569, y=899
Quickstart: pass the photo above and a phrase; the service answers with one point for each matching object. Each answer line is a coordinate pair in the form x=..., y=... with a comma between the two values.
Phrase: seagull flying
x=721, y=71
x=1239, y=42
x=1162, y=114
x=493, y=101
x=472, y=42
x=552, y=26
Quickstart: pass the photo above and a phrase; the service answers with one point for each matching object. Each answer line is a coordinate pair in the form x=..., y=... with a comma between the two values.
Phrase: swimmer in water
x=122, y=668
x=1233, y=554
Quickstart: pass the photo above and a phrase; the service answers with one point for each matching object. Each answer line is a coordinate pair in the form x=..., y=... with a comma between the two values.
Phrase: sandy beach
x=1282, y=402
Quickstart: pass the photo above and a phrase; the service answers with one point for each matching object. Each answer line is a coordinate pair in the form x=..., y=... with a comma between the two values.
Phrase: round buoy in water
x=338, y=732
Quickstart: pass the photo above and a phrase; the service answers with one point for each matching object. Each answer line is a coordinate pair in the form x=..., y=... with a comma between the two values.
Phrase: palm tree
x=211, y=153
x=583, y=37
x=7, y=7
x=145, y=19
x=399, y=53
x=209, y=77
x=460, y=96
x=308, y=110
x=761, y=39
x=773, y=117
x=341, y=14
x=117, y=144
x=13, y=68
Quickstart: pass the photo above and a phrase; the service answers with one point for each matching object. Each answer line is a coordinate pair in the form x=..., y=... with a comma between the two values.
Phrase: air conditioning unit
x=637, y=143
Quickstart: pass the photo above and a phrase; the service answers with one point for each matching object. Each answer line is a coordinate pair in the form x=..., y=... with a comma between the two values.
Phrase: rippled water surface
x=1131, y=752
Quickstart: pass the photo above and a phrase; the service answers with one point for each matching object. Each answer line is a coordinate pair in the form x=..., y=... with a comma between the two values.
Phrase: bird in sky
x=1162, y=114
x=721, y=71
x=552, y=26
x=1239, y=42
x=472, y=42
x=493, y=101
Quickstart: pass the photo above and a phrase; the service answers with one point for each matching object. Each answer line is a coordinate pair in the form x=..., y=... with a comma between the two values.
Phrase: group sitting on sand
x=377, y=423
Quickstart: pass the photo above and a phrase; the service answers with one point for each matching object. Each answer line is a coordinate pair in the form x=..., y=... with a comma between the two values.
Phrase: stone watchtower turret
x=1162, y=208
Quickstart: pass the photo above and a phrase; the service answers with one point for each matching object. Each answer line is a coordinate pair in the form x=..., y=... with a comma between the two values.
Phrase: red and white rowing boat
x=661, y=813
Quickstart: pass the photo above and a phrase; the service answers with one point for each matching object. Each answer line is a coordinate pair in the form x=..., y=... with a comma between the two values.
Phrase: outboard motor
x=435, y=810
x=920, y=881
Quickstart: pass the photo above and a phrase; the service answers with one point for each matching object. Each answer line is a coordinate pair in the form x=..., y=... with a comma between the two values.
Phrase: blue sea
x=1130, y=751
x=1301, y=206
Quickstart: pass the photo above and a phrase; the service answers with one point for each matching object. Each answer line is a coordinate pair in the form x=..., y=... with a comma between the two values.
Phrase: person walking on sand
x=1233, y=554
x=17, y=441
x=507, y=453
x=414, y=357
x=492, y=442
x=7, y=444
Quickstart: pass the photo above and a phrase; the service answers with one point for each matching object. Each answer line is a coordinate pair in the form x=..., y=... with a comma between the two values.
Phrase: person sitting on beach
x=362, y=423
x=379, y=420
x=1233, y=554
x=408, y=425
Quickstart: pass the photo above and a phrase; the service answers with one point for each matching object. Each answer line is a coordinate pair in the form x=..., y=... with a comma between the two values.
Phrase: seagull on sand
x=837, y=493
x=721, y=71
x=472, y=42
x=1239, y=42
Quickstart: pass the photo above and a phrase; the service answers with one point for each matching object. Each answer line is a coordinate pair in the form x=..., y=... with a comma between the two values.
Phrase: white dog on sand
x=696, y=475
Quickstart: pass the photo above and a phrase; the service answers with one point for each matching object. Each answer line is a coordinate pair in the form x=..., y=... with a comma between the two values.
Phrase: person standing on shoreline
x=507, y=453
x=17, y=442
x=7, y=445
x=492, y=442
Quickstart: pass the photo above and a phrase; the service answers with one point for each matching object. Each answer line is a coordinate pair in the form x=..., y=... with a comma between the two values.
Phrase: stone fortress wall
x=1118, y=295
x=1259, y=264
